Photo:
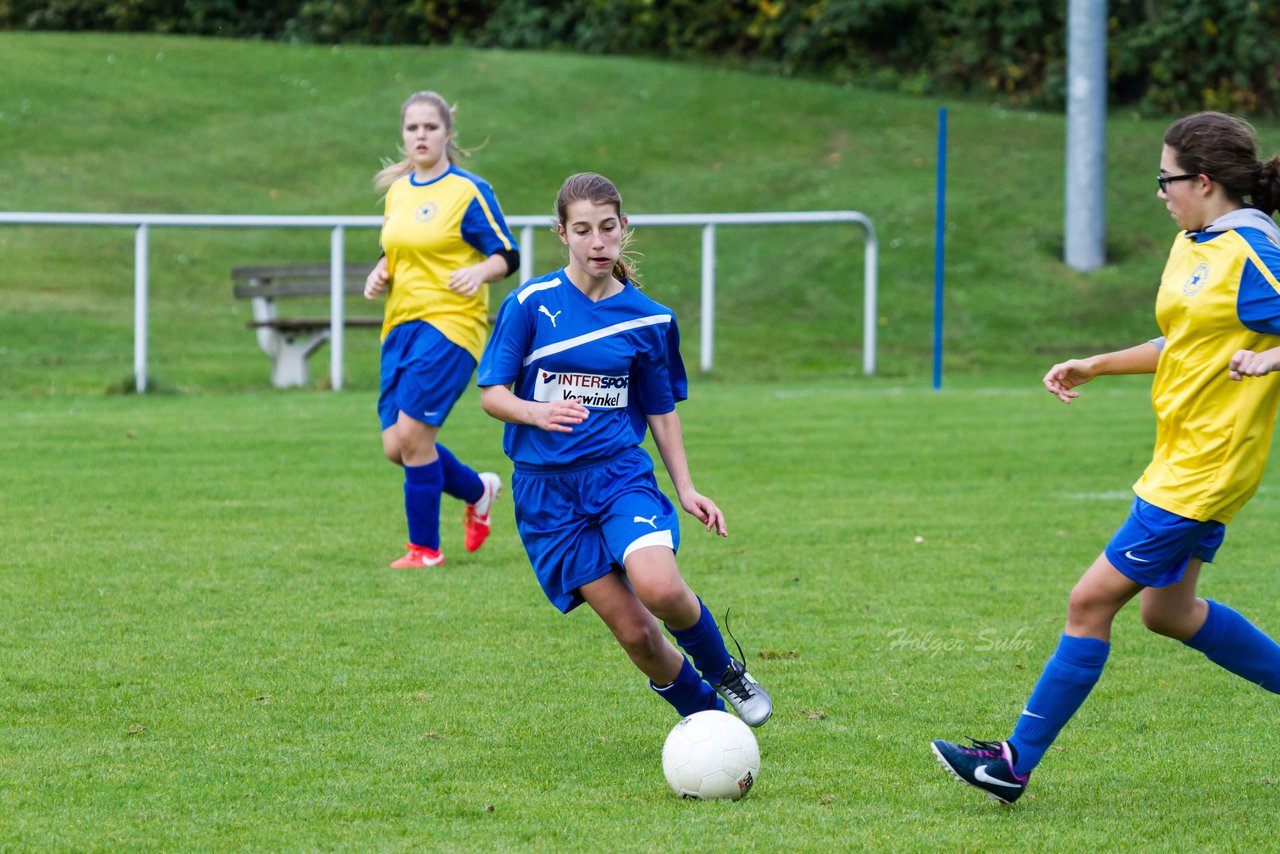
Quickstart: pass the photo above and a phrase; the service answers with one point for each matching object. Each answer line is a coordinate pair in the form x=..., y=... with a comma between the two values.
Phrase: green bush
x=1166, y=57
x=1212, y=54
x=378, y=22
x=239, y=18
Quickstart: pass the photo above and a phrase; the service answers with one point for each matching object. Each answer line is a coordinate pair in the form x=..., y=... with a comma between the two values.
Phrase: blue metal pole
x=939, y=247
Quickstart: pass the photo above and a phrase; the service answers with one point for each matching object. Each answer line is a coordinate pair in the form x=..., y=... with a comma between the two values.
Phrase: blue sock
x=704, y=644
x=1231, y=641
x=422, y=503
x=460, y=480
x=689, y=693
x=1068, y=677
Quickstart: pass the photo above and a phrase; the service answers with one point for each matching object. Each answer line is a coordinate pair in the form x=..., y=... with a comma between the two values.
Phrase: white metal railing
x=527, y=224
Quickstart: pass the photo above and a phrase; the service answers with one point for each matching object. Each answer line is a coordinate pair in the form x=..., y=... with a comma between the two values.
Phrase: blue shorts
x=578, y=525
x=423, y=374
x=1153, y=546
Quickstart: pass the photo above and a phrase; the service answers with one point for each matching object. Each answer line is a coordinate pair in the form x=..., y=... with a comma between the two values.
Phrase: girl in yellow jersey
x=444, y=239
x=1219, y=311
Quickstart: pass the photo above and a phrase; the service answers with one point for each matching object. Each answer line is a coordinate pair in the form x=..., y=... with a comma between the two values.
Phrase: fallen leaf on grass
x=773, y=653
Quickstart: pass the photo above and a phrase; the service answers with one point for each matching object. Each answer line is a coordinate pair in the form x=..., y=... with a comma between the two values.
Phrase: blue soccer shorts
x=423, y=374
x=1154, y=546
x=580, y=524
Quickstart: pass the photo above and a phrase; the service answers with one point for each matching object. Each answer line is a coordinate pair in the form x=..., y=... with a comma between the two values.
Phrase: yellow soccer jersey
x=428, y=231
x=1219, y=294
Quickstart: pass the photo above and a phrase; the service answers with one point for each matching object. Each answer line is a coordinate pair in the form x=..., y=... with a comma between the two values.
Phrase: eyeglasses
x=1165, y=180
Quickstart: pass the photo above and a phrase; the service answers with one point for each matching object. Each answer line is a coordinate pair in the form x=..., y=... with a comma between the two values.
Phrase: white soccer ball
x=711, y=755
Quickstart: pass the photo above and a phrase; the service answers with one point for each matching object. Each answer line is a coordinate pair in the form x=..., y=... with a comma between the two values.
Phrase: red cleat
x=476, y=516
x=419, y=556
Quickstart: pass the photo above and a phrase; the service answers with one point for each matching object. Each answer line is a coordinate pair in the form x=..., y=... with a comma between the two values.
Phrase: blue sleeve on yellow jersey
x=483, y=225
x=1258, y=302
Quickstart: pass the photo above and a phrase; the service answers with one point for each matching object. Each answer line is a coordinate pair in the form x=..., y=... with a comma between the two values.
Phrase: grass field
x=203, y=650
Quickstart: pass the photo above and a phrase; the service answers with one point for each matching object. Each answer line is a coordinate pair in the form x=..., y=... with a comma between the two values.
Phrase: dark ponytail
x=1266, y=191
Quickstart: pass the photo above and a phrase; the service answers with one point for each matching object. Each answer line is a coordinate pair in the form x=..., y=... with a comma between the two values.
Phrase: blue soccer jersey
x=620, y=357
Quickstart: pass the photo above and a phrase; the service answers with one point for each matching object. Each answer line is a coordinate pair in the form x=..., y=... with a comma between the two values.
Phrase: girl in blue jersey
x=444, y=240
x=1219, y=311
x=579, y=365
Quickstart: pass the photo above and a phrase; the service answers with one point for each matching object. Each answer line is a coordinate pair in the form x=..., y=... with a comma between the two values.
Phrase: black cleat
x=987, y=765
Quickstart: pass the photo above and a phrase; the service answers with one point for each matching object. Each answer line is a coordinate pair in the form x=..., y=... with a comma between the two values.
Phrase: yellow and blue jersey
x=429, y=230
x=619, y=357
x=1219, y=293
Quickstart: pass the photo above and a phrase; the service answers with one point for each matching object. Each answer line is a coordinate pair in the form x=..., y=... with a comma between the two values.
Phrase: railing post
x=870, y=321
x=337, y=295
x=140, y=309
x=526, y=254
x=708, y=294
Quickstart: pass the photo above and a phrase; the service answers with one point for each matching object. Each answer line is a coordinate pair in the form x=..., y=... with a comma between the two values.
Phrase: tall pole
x=939, y=247
x=1086, y=214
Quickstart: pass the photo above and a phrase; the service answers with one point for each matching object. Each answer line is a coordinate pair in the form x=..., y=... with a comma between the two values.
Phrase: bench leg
x=289, y=368
x=288, y=352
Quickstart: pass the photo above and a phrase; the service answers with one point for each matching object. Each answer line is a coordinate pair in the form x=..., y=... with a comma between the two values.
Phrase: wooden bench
x=289, y=341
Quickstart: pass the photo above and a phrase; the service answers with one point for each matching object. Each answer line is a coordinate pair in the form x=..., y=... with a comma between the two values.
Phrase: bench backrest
x=296, y=280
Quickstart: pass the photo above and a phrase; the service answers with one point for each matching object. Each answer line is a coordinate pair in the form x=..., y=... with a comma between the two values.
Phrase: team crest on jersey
x=426, y=213
x=1196, y=281
x=597, y=391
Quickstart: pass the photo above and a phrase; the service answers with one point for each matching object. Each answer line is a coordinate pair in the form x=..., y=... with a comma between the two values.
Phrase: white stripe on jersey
x=570, y=343
x=533, y=289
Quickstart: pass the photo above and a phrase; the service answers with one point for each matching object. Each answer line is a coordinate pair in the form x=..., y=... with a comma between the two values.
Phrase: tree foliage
x=1163, y=57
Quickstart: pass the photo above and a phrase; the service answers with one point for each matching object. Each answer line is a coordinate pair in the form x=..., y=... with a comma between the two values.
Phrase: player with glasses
x=1163, y=181
x=1218, y=309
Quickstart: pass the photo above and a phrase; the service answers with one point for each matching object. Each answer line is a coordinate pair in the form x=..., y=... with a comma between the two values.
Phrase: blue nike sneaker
x=987, y=765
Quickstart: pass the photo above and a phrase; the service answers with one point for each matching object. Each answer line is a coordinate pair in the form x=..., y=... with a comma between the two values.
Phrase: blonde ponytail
x=391, y=172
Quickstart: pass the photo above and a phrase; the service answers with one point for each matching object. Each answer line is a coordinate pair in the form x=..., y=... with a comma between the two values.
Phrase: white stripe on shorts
x=657, y=538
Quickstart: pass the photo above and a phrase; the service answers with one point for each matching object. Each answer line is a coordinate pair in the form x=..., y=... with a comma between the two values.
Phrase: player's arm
x=558, y=416
x=376, y=282
x=1252, y=363
x=1259, y=310
x=669, y=438
x=469, y=279
x=1065, y=376
x=484, y=228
